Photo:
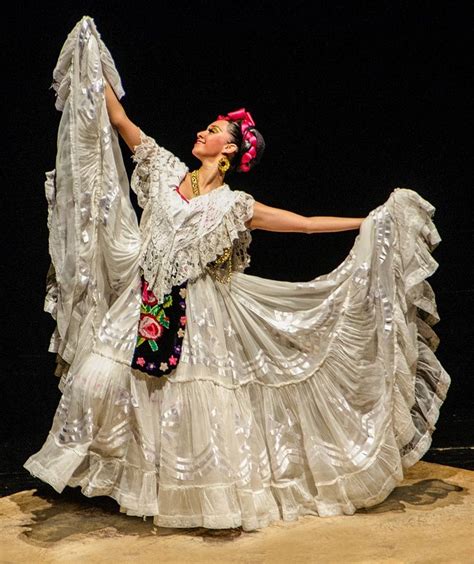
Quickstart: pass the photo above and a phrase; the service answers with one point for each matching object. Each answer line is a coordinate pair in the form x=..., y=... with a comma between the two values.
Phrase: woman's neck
x=210, y=177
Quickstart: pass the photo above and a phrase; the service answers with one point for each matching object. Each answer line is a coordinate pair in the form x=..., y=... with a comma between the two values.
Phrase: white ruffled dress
x=290, y=398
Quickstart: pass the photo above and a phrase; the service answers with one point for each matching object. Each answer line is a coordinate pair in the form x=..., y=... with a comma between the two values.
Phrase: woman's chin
x=197, y=153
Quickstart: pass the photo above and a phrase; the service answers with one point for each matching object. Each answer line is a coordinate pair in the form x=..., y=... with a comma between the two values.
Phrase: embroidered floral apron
x=160, y=331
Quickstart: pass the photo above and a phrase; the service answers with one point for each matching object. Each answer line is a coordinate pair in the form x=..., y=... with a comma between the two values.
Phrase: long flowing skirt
x=290, y=398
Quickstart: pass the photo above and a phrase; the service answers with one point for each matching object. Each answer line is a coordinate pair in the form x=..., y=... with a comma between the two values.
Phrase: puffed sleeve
x=153, y=164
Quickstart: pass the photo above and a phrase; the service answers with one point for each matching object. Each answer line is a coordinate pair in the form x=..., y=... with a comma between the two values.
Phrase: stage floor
x=428, y=518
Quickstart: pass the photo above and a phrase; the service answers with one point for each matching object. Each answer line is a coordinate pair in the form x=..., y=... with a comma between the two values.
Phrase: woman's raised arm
x=129, y=132
x=276, y=219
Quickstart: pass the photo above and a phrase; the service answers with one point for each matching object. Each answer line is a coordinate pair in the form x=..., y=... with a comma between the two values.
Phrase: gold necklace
x=195, y=182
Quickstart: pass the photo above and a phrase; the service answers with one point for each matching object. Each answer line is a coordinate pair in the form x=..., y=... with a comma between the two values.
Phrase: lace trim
x=151, y=160
x=194, y=248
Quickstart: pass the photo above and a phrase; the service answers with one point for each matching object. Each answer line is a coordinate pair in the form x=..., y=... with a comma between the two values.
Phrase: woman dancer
x=198, y=394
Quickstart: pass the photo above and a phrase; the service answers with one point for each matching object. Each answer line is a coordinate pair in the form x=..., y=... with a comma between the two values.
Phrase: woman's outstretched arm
x=119, y=119
x=276, y=219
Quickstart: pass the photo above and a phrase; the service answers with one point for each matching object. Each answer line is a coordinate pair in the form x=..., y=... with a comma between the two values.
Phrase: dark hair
x=234, y=128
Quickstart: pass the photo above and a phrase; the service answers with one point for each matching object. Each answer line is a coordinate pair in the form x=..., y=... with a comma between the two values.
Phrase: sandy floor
x=428, y=519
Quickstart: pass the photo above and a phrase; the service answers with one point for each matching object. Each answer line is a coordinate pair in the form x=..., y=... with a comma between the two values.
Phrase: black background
x=353, y=99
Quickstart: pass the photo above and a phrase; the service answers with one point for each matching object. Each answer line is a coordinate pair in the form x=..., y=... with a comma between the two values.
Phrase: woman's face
x=212, y=141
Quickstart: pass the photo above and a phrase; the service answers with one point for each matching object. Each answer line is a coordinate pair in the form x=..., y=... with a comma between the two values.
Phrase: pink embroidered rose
x=140, y=361
x=182, y=320
x=149, y=328
x=148, y=296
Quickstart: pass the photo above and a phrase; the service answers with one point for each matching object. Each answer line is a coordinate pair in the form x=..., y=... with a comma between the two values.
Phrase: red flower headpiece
x=247, y=135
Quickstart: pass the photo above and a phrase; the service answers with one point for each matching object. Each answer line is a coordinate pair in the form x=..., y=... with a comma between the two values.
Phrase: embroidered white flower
x=163, y=366
x=182, y=292
x=229, y=331
x=180, y=332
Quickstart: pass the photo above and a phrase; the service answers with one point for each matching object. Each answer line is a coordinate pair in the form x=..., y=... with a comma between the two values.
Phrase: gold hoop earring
x=223, y=164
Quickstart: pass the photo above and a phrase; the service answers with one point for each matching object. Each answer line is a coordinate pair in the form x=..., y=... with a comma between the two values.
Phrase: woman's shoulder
x=241, y=204
x=149, y=151
x=156, y=169
x=230, y=197
x=241, y=196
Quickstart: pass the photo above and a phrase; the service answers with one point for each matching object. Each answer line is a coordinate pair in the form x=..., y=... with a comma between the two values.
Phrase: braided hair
x=248, y=139
x=234, y=128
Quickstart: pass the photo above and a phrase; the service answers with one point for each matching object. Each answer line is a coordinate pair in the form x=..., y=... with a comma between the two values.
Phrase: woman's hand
x=276, y=219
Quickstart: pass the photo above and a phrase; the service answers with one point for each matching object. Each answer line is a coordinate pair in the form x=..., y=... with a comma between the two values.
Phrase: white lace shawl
x=178, y=238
